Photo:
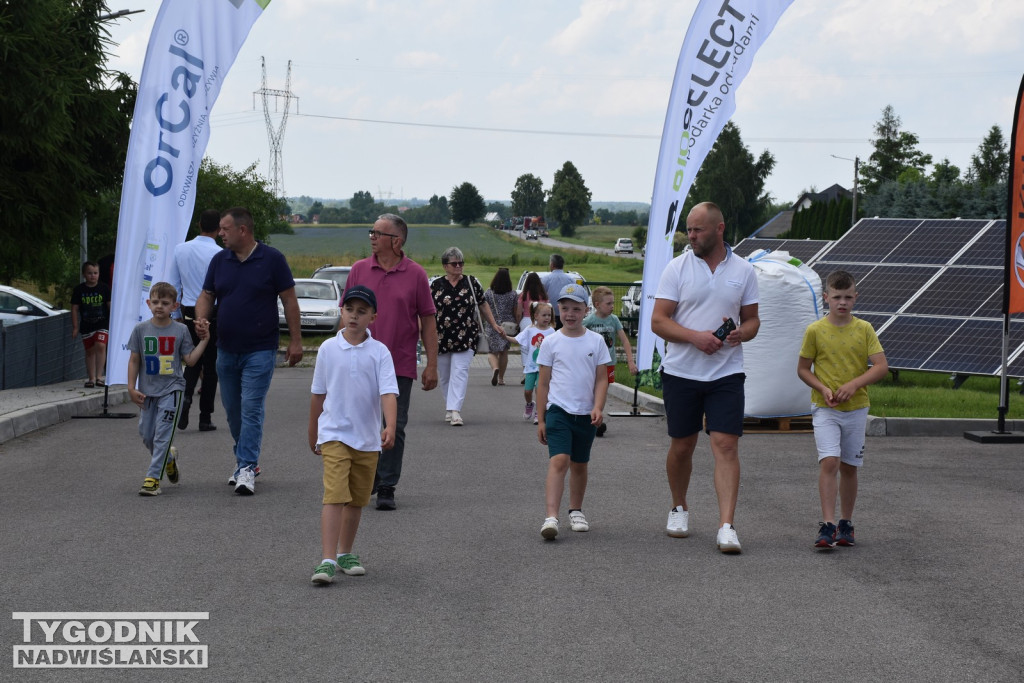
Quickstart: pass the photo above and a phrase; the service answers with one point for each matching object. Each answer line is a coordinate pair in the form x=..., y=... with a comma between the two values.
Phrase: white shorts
x=840, y=434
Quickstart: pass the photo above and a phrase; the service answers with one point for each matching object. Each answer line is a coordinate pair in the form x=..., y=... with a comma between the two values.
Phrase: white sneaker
x=447, y=416
x=550, y=529
x=678, y=522
x=456, y=419
x=578, y=522
x=245, y=482
x=728, y=541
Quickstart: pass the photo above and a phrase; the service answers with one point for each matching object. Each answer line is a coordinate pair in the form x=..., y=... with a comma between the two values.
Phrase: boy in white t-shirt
x=353, y=384
x=571, y=390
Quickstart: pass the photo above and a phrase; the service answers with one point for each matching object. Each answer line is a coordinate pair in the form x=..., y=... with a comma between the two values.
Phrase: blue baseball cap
x=574, y=292
x=362, y=293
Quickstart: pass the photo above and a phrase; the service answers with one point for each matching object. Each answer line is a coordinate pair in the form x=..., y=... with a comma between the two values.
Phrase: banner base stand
x=995, y=437
x=105, y=414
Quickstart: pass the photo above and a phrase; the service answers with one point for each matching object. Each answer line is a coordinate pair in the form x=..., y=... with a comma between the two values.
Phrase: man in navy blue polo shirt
x=245, y=280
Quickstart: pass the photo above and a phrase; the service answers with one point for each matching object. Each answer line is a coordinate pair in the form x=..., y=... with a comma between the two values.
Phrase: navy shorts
x=568, y=433
x=688, y=401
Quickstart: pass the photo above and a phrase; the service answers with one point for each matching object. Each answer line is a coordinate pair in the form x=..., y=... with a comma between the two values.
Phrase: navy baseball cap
x=575, y=292
x=362, y=293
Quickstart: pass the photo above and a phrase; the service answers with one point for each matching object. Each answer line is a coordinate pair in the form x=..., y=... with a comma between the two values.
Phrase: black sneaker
x=601, y=429
x=386, y=498
x=205, y=425
x=826, y=536
x=844, y=534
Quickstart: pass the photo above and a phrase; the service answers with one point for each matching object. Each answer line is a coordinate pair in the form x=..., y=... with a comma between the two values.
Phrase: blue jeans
x=389, y=465
x=244, y=382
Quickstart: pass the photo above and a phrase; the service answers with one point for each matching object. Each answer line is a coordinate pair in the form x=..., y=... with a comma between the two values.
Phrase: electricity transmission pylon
x=276, y=136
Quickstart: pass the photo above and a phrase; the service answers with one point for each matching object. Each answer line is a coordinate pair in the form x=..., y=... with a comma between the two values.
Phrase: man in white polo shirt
x=187, y=273
x=702, y=372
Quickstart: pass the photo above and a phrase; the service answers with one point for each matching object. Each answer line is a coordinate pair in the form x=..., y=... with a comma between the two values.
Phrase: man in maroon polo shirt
x=405, y=312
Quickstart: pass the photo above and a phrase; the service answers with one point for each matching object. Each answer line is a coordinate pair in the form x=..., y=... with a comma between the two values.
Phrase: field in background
x=485, y=251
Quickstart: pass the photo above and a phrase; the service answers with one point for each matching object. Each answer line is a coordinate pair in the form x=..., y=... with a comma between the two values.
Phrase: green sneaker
x=172, y=466
x=349, y=564
x=150, y=487
x=324, y=573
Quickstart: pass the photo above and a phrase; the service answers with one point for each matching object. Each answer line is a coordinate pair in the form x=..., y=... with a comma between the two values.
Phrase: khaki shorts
x=348, y=474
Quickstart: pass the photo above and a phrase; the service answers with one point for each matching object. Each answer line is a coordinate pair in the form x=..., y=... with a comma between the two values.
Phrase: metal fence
x=627, y=303
x=40, y=352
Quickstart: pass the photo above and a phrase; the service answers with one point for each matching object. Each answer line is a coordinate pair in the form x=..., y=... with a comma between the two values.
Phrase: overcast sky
x=408, y=99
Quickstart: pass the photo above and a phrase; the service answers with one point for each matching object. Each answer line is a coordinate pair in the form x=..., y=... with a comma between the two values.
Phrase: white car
x=630, y=314
x=623, y=245
x=319, y=306
x=17, y=306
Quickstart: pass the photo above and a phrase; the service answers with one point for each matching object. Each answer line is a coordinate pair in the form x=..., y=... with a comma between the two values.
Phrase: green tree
x=435, y=211
x=895, y=152
x=733, y=179
x=569, y=200
x=466, y=204
x=364, y=208
x=64, y=125
x=315, y=209
x=528, y=196
x=221, y=187
x=991, y=165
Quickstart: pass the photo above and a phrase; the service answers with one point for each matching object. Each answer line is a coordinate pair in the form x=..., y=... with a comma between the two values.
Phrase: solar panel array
x=932, y=289
x=805, y=250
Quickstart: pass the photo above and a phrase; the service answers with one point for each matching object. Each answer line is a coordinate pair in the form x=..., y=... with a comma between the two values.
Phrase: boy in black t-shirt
x=90, y=315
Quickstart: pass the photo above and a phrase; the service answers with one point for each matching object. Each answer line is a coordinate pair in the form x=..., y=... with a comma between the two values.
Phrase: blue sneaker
x=844, y=534
x=826, y=536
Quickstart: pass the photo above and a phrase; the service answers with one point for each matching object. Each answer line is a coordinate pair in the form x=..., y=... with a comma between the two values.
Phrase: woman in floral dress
x=502, y=300
x=457, y=330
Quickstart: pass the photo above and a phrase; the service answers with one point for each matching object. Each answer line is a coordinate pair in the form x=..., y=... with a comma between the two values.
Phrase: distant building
x=825, y=196
x=493, y=217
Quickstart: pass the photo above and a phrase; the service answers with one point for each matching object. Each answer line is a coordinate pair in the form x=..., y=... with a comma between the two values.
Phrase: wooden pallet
x=799, y=424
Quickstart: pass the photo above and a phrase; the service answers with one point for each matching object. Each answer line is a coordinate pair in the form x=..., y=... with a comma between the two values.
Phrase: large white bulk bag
x=790, y=300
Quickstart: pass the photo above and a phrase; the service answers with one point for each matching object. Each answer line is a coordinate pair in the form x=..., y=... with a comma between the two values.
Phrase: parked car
x=532, y=235
x=337, y=273
x=544, y=232
x=630, y=313
x=623, y=245
x=319, y=305
x=580, y=280
x=17, y=306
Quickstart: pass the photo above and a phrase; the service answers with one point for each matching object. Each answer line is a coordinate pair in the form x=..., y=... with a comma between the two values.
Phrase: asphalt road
x=461, y=587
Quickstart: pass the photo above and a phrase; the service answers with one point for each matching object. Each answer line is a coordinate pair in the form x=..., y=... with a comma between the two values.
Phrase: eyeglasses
x=378, y=234
x=454, y=264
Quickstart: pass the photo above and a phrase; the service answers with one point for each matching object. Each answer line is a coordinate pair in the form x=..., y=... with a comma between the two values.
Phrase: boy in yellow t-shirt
x=846, y=358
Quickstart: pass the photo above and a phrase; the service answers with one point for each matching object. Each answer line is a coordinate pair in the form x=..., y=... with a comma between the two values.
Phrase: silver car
x=17, y=306
x=337, y=273
x=630, y=315
x=319, y=306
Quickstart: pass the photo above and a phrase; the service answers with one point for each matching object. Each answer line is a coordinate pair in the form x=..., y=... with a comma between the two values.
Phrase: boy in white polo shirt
x=571, y=390
x=354, y=386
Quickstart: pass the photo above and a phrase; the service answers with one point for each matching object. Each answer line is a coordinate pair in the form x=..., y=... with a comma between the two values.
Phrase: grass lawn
x=918, y=394
x=598, y=235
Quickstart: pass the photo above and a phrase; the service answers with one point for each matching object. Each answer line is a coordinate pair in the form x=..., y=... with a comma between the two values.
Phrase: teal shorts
x=531, y=380
x=568, y=433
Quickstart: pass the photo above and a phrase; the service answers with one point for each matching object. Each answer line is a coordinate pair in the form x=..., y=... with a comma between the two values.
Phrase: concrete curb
x=644, y=401
x=930, y=426
x=27, y=420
